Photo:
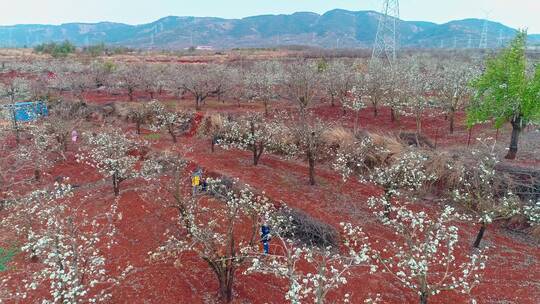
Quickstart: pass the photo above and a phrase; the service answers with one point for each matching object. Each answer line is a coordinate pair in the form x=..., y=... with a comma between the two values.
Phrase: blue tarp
x=27, y=111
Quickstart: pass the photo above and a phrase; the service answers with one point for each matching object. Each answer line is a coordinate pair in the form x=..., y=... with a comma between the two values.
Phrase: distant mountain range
x=336, y=28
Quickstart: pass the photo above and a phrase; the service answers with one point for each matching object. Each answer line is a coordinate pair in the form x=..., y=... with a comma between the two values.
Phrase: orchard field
x=379, y=182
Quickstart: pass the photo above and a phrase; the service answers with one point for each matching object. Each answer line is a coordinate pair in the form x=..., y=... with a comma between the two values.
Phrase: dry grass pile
x=447, y=166
x=211, y=124
x=338, y=137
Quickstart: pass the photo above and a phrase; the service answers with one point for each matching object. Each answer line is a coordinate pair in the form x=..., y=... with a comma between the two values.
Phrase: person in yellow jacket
x=196, y=180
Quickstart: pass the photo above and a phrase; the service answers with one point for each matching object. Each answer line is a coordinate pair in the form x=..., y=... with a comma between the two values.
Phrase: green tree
x=507, y=93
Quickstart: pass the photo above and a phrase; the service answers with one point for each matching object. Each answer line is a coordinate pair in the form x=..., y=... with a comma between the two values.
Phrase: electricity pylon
x=484, y=36
x=386, y=40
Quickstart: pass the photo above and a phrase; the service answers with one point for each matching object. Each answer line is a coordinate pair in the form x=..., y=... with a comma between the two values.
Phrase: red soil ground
x=512, y=274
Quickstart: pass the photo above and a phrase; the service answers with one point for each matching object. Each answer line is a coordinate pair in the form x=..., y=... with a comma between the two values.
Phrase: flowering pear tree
x=375, y=84
x=68, y=243
x=422, y=87
x=168, y=120
x=355, y=102
x=140, y=114
x=102, y=72
x=254, y=133
x=150, y=79
x=211, y=228
x=532, y=212
x=71, y=247
x=452, y=85
x=16, y=89
x=79, y=83
x=327, y=269
x=339, y=78
x=261, y=81
x=425, y=257
x=109, y=153
x=200, y=80
x=479, y=191
x=398, y=90
x=62, y=120
x=407, y=173
x=37, y=150
x=301, y=84
x=309, y=137
x=128, y=77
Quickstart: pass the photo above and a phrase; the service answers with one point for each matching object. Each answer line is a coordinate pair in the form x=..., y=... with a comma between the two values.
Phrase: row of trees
x=415, y=86
x=442, y=85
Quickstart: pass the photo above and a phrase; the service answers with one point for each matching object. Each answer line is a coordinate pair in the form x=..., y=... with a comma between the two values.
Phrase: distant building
x=24, y=111
x=204, y=48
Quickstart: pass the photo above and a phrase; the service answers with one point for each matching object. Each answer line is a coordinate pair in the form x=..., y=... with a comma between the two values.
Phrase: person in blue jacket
x=265, y=237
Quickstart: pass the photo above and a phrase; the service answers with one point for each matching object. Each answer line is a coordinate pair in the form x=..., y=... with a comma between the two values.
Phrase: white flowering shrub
x=532, y=212
x=213, y=233
x=484, y=191
x=424, y=256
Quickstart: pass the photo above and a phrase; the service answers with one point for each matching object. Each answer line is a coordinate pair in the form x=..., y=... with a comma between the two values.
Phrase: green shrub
x=5, y=256
x=56, y=49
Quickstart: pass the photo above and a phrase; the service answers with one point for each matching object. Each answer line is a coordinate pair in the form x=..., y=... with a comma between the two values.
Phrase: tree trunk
x=355, y=130
x=311, y=162
x=198, y=101
x=375, y=104
x=516, y=130
x=213, y=144
x=64, y=139
x=423, y=298
x=258, y=153
x=451, y=116
x=138, y=123
x=469, y=137
x=171, y=132
x=418, y=124
x=255, y=158
x=392, y=115
x=116, y=185
x=226, y=280
x=266, y=108
x=15, y=123
x=37, y=175
x=130, y=94
x=480, y=235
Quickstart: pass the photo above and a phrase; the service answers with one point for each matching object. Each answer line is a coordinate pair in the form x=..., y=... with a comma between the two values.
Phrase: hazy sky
x=515, y=13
